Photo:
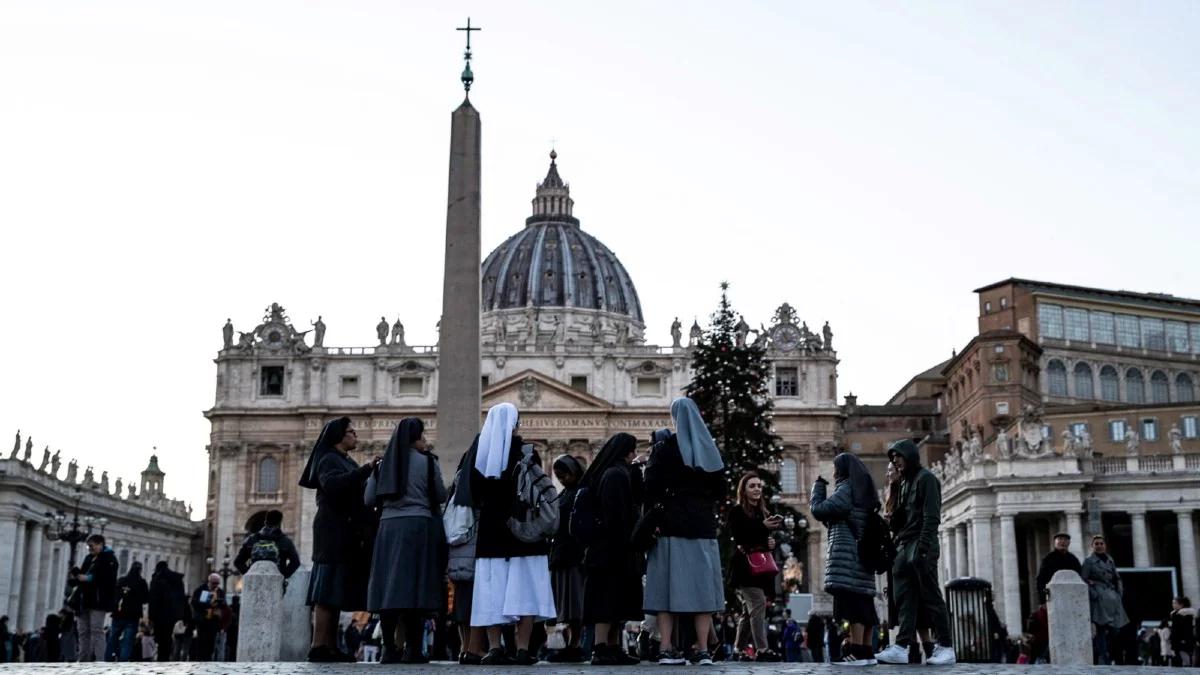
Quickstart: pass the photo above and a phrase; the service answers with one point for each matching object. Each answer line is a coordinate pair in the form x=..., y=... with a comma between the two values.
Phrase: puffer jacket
x=844, y=571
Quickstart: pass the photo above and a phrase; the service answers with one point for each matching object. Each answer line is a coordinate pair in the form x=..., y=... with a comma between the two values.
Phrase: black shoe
x=496, y=657
x=389, y=655
x=603, y=655
x=413, y=656
x=469, y=659
x=767, y=656
x=343, y=657
x=322, y=655
x=524, y=658
x=624, y=658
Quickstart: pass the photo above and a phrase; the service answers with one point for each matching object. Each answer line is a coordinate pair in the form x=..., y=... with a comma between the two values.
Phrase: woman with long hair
x=409, y=561
x=847, y=579
x=750, y=524
x=612, y=587
x=685, y=480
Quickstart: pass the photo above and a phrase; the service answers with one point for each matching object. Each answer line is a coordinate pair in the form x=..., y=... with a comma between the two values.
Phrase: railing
x=1110, y=465
x=1156, y=463
x=1192, y=462
x=379, y=349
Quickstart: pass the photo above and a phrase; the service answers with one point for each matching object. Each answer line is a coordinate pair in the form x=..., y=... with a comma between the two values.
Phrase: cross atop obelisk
x=459, y=385
x=467, y=76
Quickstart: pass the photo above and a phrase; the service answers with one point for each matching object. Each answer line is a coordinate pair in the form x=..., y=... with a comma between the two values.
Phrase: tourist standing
x=685, y=480
x=1105, y=593
x=208, y=616
x=612, y=593
x=847, y=579
x=409, y=564
x=269, y=543
x=750, y=525
x=168, y=605
x=1183, y=627
x=512, y=577
x=94, y=596
x=132, y=595
x=1059, y=558
x=914, y=573
x=566, y=562
x=342, y=532
x=461, y=570
x=814, y=637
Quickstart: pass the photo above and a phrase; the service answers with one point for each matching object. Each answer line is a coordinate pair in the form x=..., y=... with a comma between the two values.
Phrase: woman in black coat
x=342, y=536
x=612, y=587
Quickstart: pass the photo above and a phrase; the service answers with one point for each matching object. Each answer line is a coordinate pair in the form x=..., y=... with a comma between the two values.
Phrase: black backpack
x=875, y=546
x=585, y=522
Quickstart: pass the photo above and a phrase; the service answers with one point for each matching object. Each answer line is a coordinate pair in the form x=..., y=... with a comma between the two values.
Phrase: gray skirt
x=568, y=593
x=684, y=575
x=340, y=585
x=408, y=570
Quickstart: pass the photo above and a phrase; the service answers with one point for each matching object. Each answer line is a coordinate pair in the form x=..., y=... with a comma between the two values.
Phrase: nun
x=512, y=577
x=409, y=562
x=342, y=533
x=612, y=587
x=566, y=561
x=685, y=481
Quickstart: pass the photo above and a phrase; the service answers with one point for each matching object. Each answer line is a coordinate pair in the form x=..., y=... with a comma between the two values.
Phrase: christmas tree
x=729, y=385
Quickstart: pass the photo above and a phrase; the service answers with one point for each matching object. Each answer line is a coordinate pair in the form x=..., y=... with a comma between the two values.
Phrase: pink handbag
x=761, y=563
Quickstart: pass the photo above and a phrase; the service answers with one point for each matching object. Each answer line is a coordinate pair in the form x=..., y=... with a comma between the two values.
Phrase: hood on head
x=908, y=450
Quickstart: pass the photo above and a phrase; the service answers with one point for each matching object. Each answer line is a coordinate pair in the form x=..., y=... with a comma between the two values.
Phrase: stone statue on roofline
x=1175, y=436
x=16, y=446
x=45, y=459
x=676, y=333
x=117, y=488
x=28, y=450
x=104, y=482
x=55, y=462
x=827, y=334
x=227, y=334
x=1069, y=444
x=381, y=331
x=1003, y=445
x=1132, y=443
x=72, y=471
x=318, y=333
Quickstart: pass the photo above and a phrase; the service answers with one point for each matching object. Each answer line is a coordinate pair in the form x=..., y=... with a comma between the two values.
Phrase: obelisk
x=458, y=396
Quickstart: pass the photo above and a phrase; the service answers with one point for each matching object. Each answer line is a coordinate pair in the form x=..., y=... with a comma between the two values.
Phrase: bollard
x=297, y=618
x=259, y=634
x=1070, y=616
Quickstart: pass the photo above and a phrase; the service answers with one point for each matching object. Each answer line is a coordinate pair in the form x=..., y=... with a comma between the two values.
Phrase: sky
x=167, y=165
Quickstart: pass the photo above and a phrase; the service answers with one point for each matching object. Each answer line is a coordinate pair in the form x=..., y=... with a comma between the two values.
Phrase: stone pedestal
x=260, y=626
x=1070, y=630
x=297, y=618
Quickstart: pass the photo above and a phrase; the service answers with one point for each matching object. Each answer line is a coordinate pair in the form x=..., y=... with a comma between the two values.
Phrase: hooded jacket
x=920, y=509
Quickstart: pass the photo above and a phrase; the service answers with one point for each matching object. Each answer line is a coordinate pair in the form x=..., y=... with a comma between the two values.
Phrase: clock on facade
x=786, y=337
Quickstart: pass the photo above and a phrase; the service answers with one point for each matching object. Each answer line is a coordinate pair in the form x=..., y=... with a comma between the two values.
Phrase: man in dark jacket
x=1059, y=558
x=269, y=543
x=914, y=574
x=132, y=595
x=208, y=613
x=93, y=596
x=168, y=604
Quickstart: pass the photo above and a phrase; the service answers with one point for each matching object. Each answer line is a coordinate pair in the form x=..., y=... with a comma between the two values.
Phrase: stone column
x=1187, y=553
x=1141, y=545
x=963, y=569
x=8, y=547
x=260, y=627
x=947, y=567
x=982, y=547
x=1008, y=569
x=1070, y=638
x=297, y=618
x=18, y=577
x=1075, y=529
x=34, y=601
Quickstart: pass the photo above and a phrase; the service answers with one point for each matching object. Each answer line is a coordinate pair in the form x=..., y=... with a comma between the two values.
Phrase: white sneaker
x=895, y=654
x=942, y=656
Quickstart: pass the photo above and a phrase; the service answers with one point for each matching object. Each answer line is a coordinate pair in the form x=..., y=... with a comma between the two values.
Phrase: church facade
x=562, y=336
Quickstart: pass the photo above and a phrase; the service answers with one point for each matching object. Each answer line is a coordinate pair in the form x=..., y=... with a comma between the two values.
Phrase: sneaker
x=855, y=659
x=893, y=654
x=942, y=656
x=496, y=657
x=702, y=658
x=524, y=658
x=671, y=658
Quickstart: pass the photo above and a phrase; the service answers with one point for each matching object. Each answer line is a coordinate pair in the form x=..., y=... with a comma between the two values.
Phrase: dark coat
x=1053, y=562
x=289, y=558
x=210, y=614
x=846, y=521
x=343, y=527
x=749, y=534
x=565, y=551
x=100, y=590
x=688, y=495
x=920, y=510
x=496, y=499
x=132, y=596
x=618, y=511
x=168, y=599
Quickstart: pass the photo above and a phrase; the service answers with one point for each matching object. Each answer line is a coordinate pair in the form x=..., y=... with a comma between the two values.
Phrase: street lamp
x=226, y=570
x=57, y=530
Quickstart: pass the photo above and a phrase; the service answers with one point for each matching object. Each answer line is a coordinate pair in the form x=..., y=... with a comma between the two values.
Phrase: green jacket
x=920, y=509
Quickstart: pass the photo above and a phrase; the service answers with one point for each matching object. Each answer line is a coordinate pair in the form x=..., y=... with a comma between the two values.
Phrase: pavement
x=220, y=668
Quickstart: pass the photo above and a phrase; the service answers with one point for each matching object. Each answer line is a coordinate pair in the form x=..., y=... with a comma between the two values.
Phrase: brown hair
x=743, y=502
x=891, y=495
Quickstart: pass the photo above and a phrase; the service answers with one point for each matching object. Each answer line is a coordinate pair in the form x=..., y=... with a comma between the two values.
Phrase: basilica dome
x=553, y=263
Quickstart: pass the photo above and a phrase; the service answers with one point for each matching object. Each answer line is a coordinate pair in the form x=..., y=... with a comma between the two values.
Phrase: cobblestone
x=445, y=668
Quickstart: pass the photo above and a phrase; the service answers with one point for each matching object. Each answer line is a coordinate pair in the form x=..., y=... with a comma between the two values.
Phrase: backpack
x=264, y=549
x=875, y=547
x=585, y=521
x=536, y=509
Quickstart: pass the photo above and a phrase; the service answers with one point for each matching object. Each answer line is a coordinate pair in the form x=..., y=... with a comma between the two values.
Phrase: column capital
x=1184, y=512
x=1136, y=512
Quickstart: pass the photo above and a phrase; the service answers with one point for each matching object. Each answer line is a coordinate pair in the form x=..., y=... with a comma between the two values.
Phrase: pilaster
x=1187, y=553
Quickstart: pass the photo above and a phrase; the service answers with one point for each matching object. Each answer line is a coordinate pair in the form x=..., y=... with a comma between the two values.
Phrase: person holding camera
x=751, y=526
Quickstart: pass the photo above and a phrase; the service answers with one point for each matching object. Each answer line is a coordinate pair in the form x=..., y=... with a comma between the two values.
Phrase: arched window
x=1056, y=378
x=1160, y=387
x=1083, y=381
x=1185, y=391
x=1135, y=386
x=788, y=480
x=1110, y=386
x=268, y=475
